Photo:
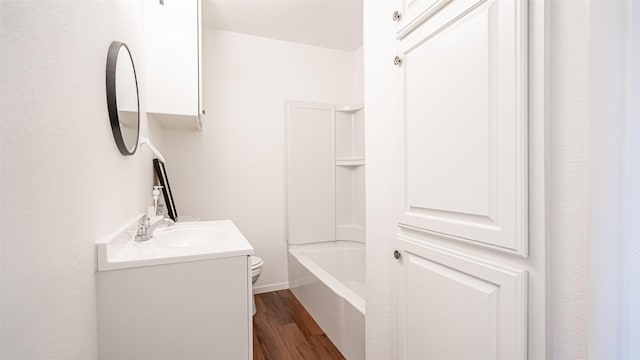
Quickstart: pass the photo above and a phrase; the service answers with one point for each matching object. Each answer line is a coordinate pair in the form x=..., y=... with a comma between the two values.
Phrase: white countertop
x=121, y=251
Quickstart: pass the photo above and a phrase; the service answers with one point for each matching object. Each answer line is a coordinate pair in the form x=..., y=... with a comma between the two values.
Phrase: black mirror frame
x=112, y=104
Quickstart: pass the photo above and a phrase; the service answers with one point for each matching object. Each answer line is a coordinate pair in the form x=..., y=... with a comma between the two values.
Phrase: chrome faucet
x=146, y=229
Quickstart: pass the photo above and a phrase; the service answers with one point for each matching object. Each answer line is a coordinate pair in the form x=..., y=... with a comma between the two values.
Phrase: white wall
x=382, y=133
x=632, y=181
x=613, y=158
x=593, y=156
x=64, y=183
x=234, y=169
x=358, y=76
x=569, y=60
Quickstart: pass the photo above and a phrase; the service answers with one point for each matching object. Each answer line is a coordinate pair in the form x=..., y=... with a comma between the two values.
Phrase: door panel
x=463, y=89
x=456, y=307
x=448, y=145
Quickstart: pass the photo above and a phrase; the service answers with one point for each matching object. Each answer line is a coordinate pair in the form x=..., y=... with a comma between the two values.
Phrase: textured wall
x=64, y=183
x=569, y=60
x=592, y=225
x=613, y=135
x=381, y=137
x=633, y=179
x=235, y=167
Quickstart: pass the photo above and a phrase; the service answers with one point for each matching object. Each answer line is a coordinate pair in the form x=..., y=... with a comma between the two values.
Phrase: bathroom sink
x=181, y=237
x=188, y=241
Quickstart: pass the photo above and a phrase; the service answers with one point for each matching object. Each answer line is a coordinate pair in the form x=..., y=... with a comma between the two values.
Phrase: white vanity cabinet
x=183, y=294
x=197, y=310
x=174, y=62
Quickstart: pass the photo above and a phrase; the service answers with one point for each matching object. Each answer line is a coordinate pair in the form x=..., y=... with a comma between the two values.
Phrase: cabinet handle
x=396, y=254
x=396, y=16
x=397, y=61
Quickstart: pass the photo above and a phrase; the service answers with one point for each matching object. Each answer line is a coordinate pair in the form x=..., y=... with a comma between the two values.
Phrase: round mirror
x=122, y=98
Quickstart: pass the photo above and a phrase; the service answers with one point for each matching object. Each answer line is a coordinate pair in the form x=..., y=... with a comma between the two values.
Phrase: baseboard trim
x=270, y=287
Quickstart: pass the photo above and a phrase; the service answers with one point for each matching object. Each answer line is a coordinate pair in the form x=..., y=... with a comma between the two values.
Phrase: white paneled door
x=463, y=189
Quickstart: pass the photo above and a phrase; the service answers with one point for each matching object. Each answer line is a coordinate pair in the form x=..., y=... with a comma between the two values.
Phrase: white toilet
x=256, y=270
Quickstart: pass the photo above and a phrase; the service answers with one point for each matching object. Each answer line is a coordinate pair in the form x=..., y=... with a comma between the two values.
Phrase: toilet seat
x=256, y=262
x=256, y=270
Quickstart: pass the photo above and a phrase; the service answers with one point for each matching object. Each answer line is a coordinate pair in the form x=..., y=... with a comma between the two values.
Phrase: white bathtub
x=328, y=279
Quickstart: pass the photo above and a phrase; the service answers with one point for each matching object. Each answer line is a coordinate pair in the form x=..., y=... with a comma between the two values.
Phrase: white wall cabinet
x=174, y=62
x=463, y=179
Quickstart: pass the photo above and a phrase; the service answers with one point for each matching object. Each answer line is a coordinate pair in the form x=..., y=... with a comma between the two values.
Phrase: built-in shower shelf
x=350, y=108
x=349, y=162
x=327, y=196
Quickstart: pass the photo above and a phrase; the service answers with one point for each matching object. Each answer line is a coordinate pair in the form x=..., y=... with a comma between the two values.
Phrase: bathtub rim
x=348, y=295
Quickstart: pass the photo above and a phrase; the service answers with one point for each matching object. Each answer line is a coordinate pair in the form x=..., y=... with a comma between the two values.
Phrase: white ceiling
x=333, y=24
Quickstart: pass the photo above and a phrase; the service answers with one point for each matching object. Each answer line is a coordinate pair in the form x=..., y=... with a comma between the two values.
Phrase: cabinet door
x=458, y=307
x=464, y=96
x=196, y=310
x=172, y=43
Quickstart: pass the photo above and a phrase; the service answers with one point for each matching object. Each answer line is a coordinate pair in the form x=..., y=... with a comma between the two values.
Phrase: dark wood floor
x=284, y=330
